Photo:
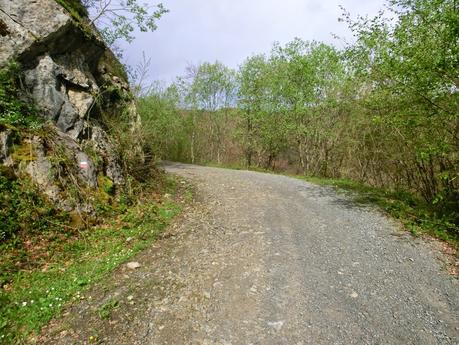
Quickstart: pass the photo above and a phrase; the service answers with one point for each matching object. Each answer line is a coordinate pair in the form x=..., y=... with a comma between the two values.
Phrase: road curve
x=268, y=259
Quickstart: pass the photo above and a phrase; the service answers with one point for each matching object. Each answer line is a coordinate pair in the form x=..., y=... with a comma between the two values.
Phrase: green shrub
x=14, y=111
x=23, y=208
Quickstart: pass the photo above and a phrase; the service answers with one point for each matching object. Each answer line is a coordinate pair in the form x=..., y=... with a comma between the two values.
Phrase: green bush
x=14, y=111
x=23, y=208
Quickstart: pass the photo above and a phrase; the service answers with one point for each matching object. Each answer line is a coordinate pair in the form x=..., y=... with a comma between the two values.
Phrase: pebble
x=133, y=265
x=277, y=325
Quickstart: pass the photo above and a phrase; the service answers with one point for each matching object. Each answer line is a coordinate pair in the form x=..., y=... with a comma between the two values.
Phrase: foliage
x=384, y=111
x=206, y=91
x=162, y=123
x=118, y=19
x=410, y=68
x=23, y=210
x=14, y=111
x=22, y=206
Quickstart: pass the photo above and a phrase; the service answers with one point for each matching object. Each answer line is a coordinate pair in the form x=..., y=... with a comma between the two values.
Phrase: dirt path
x=266, y=259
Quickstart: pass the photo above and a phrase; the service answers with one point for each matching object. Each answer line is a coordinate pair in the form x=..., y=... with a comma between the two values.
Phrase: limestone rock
x=87, y=169
x=41, y=171
x=64, y=96
x=133, y=265
x=28, y=22
x=103, y=145
x=6, y=140
x=75, y=81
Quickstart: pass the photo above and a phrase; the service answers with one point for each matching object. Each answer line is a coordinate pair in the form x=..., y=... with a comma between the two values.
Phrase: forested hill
x=383, y=111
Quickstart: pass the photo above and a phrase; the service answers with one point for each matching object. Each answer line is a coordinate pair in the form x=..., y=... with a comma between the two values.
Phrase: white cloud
x=230, y=30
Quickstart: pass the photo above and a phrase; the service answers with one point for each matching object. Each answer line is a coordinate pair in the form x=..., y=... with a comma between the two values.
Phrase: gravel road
x=267, y=259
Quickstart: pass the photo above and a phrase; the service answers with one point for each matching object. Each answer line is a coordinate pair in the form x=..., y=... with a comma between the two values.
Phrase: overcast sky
x=196, y=31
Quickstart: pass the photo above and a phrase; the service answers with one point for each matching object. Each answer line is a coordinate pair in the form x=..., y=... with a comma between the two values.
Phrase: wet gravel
x=267, y=259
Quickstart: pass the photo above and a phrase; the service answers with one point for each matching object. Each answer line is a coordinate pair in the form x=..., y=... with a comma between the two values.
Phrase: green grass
x=33, y=297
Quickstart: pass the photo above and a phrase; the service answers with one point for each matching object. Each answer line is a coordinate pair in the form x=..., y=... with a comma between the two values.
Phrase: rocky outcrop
x=61, y=95
x=31, y=26
x=76, y=82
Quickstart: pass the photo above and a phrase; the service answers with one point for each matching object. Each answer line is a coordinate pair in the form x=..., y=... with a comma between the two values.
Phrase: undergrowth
x=15, y=111
x=60, y=263
x=23, y=210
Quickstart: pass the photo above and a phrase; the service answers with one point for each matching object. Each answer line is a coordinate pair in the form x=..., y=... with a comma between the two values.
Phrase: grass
x=33, y=297
x=416, y=215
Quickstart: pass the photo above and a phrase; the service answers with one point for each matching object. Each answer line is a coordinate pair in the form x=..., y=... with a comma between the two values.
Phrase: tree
x=252, y=93
x=410, y=70
x=304, y=81
x=209, y=90
x=117, y=19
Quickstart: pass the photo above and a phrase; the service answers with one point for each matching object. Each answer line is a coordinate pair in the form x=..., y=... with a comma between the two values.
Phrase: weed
x=22, y=208
x=74, y=7
x=106, y=309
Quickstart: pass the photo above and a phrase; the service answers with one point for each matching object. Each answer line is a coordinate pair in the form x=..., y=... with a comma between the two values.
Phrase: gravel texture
x=267, y=259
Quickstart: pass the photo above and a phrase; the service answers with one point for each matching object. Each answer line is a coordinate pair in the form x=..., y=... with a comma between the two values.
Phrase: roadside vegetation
x=383, y=112
x=42, y=270
x=49, y=257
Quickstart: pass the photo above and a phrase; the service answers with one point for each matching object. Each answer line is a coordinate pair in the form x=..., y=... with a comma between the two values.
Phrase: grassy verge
x=416, y=215
x=33, y=297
